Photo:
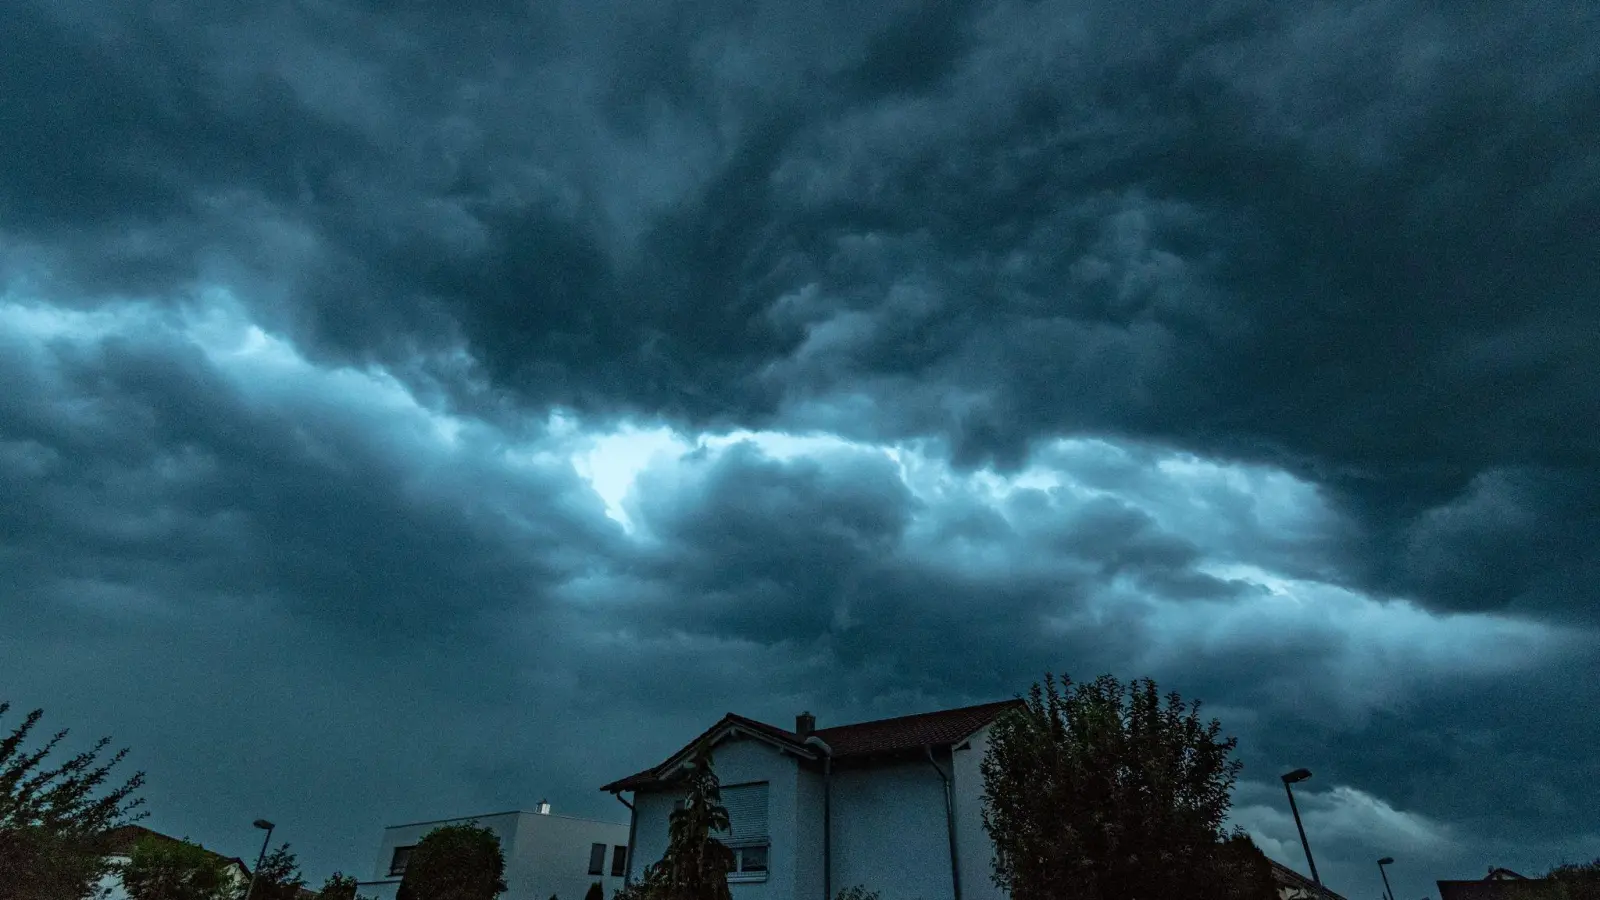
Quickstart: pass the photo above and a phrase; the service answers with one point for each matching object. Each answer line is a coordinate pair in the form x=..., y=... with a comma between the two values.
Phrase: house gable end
x=731, y=727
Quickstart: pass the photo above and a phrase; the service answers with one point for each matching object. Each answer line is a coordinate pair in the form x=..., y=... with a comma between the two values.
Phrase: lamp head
x=1387, y=860
x=263, y=824
x=1298, y=775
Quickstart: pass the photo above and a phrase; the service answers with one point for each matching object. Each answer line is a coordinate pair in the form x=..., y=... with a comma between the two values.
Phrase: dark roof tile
x=940, y=728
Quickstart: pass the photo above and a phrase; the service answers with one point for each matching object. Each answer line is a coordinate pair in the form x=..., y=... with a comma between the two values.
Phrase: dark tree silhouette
x=339, y=886
x=1577, y=881
x=1102, y=791
x=278, y=877
x=696, y=864
x=164, y=869
x=55, y=820
x=455, y=862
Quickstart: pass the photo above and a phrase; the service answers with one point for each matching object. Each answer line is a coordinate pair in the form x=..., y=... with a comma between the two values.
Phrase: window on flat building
x=747, y=831
x=619, y=860
x=597, y=859
x=397, y=863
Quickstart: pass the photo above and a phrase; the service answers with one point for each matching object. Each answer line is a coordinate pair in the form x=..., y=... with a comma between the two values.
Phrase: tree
x=454, y=862
x=339, y=886
x=163, y=869
x=278, y=877
x=1577, y=881
x=54, y=821
x=696, y=864
x=596, y=892
x=1102, y=791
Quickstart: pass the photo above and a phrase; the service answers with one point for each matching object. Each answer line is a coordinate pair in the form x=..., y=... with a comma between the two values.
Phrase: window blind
x=747, y=814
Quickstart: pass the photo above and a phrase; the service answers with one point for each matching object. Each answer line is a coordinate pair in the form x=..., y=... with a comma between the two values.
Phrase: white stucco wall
x=974, y=848
x=808, y=880
x=889, y=828
x=551, y=857
x=545, y=854
x=889, y=831
x=741, y=761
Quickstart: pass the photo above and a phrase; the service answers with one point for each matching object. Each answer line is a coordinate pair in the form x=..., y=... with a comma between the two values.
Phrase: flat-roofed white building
x=546, y=854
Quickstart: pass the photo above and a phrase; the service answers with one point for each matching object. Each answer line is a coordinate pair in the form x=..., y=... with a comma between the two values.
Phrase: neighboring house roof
x=1499, y=883
x=941, y=728
x=1293, y=884
x=120, y=842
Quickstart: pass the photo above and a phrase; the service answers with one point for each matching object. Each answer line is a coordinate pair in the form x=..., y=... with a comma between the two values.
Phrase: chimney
x=804, y=724
x=544, y=807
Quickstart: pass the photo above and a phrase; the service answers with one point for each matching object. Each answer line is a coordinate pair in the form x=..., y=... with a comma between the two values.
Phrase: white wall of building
x=889, y=828
x=889, y=831
x=551, y=857
x=545, y=854
x=974, y=848
x=808, y=880
x=742, y=761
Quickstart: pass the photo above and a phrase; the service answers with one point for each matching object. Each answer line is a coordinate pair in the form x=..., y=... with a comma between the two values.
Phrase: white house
x=121, y=842
x=894, y=806
x=546, y=854
x=1294, y=886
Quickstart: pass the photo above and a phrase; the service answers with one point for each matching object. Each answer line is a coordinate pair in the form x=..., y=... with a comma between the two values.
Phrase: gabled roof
x=939, y=729
x=1289, y=878
x=949, y=726
x=121, y=840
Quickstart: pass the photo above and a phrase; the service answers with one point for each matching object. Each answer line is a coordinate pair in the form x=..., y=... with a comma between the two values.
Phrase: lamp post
x=1387, y=860
x=1299, y=775
x=267, y=827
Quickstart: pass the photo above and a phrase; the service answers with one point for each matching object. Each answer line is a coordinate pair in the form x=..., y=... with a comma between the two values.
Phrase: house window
x=619, y=860
x=751, y=861
x=747, y=832
x=597, y=859
x=397, y=863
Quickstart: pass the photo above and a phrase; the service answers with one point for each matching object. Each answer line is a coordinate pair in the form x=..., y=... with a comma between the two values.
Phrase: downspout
x=949, y=819
x=827, y=814
x=633, y=827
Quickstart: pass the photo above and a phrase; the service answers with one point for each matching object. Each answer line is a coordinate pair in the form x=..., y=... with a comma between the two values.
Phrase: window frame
x=739, y=875
x=597, y=861
x=619, y=860
x=740, y=846
x=399, y=859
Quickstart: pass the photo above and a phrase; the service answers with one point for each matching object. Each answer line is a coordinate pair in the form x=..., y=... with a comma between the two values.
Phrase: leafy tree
x=856, y=892
x=596, y=892
x=339, y=886
x=1577, y=881
x=1102, y=791
x=696, y=864
x=455, y=862
x=54, y=821
x=278, y=877
x=162, y=869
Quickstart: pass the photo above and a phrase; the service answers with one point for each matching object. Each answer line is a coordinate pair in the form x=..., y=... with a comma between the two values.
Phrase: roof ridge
x=932, y=712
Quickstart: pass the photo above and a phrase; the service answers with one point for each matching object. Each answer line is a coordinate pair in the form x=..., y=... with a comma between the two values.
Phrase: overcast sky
x=410, y=410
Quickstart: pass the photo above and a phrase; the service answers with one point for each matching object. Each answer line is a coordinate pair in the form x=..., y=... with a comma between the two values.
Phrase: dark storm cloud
x=1352, y=243
x=156, y=469
x=1349, y=241
x=294, y=555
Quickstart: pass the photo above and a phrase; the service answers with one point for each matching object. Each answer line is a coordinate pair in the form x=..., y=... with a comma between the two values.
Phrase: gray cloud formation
x=1346, y=252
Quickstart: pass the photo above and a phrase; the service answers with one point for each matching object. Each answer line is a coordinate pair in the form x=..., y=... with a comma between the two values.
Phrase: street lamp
x=1298, y=775
x=266, y=826
x=1386, y=861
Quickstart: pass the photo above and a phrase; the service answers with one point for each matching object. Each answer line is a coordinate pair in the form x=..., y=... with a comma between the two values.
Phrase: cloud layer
x=411, y=413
